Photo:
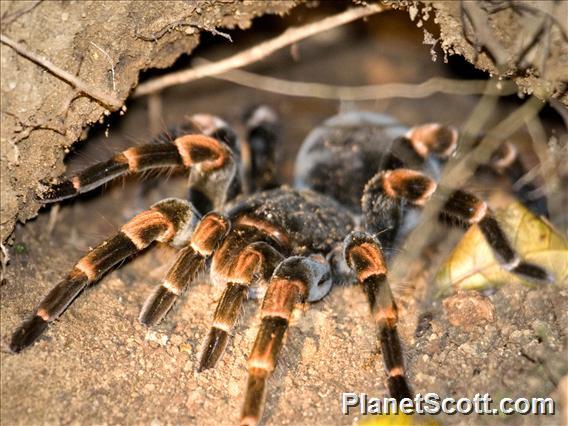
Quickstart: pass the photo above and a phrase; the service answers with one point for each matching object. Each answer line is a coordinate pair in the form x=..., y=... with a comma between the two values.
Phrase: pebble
x=309, y=349
x=468, y=309
x=155, y=337
x=188, y=366
x=234, y=388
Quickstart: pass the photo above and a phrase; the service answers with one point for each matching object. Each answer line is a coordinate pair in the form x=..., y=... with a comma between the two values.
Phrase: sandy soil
x=98, y=365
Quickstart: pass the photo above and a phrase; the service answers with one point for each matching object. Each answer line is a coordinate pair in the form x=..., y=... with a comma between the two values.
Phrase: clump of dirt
x=468, y=309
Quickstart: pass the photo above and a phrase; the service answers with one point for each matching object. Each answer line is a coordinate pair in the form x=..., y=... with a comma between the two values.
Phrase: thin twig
x=421, y=234
x=110, y=61
x=87, y=89
x=256, y=53
x=545, y=49
x=534, y=39
x=550, y=169
x=53, y=216
x=9, y=18
x=482, y=153
x=216, y=32
x=366, y=92
x=159, y=34
x=552, y=14
x=178, y=24
x=456, y=176
x=483, y=35
x=561, y=109
x=4, y=260
x=155, y=113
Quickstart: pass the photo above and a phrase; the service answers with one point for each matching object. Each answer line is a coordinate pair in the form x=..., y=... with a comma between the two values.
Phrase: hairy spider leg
x=432, y=139
x=262, y=137
x=167, y=221
x=442, y=141
x=206, y=236
x=204, y=156
x=364, y=256
x=462, y=209
x=290, y=284
x=424, y=147
x=209, y=191
x=251, y=263
x=507, y=161
x=132, y=160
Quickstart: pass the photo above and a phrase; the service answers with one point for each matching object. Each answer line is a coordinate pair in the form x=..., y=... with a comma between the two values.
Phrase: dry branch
x=482, y=33
x=366, y=92
x=460, y=169
x=9, y=18
x=87, y=89
x=256, y=53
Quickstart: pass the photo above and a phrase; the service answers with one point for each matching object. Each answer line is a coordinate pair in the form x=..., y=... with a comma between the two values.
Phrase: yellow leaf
x=472, y=265
x=398, y=420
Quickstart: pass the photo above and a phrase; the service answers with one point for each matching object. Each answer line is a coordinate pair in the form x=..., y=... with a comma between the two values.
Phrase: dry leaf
x=398, y=420
x=472, y=265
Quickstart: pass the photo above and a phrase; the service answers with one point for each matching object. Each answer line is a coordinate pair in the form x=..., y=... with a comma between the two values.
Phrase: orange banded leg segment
x=433, y=138
x=163, y=222
x=133, y=160
x=255, y=259
x=364, y=256
x=226, y=315
x=290, y=284
x=203, y=152
x=158, y=304
x=206, y=236
x=461, y=209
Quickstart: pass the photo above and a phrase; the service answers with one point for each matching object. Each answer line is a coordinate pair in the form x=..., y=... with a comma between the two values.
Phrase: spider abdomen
x=341, y=155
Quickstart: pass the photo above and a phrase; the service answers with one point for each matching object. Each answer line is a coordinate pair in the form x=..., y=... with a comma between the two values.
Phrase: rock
x=468, y=309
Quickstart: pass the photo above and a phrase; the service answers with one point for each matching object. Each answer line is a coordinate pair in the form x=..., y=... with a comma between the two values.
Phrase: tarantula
x=359, y=180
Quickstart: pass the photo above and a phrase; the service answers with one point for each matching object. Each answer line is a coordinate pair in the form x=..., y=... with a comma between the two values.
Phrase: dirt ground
x=98, y=365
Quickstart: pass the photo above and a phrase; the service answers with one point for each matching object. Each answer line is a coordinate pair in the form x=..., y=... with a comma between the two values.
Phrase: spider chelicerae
x=360, y=178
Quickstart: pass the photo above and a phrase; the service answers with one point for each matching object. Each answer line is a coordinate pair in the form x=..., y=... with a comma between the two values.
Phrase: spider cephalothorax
x=359, y=177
